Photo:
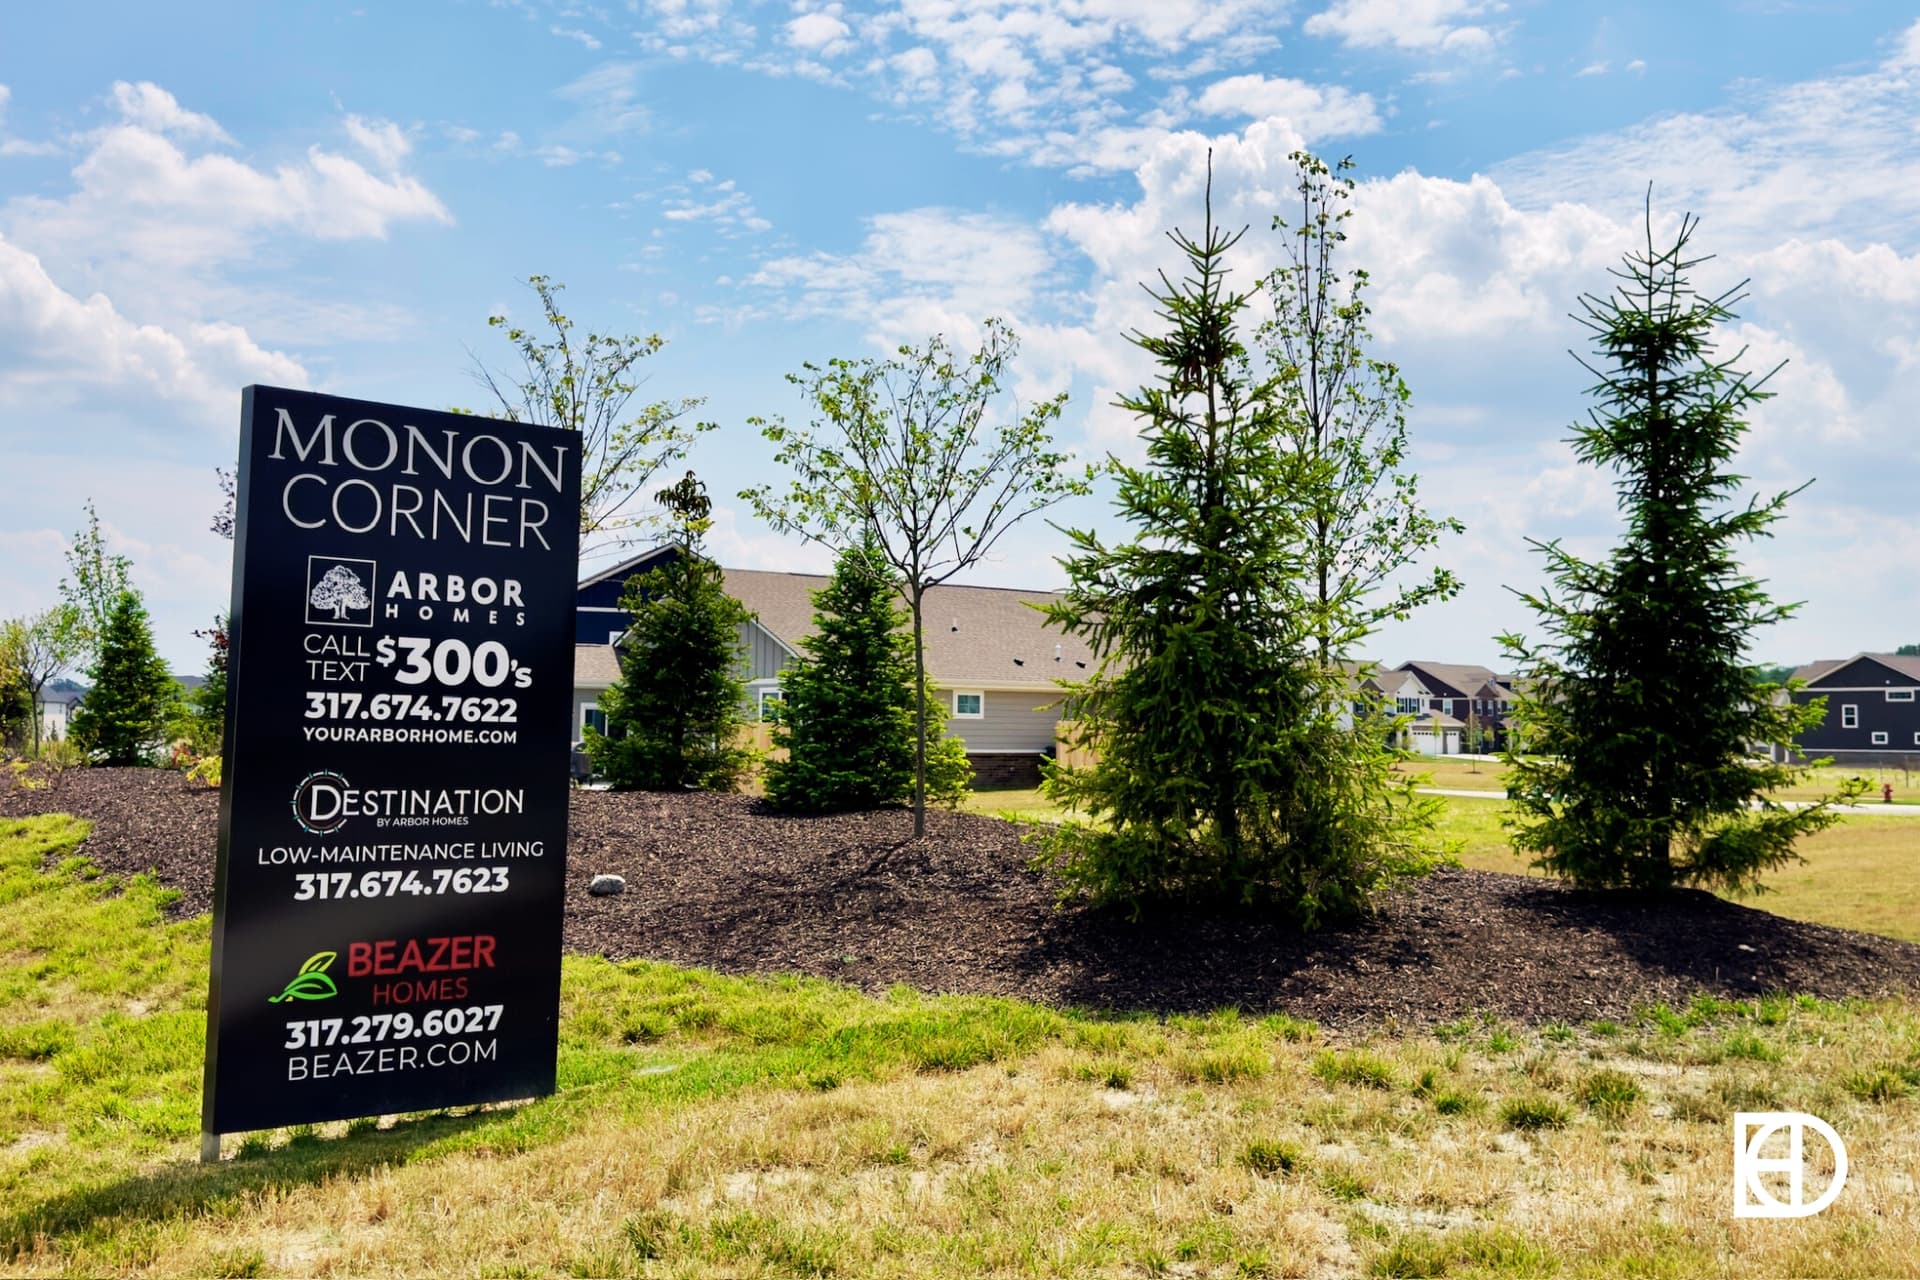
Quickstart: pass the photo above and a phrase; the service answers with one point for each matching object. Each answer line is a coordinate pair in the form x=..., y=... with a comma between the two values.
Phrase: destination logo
x=325, y=800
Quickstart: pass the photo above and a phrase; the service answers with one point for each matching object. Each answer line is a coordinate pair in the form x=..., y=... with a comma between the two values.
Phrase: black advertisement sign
x=393, y=814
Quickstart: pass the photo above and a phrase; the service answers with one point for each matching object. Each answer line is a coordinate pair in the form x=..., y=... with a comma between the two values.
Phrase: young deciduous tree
x=847, y=717
x=89, y=595
x=124, y=715
x=39, y=648
x=587, y=385
x=1639, y=715
x=1342, y=414
x=903, y=451
x=673, y=715
x=1223, y=771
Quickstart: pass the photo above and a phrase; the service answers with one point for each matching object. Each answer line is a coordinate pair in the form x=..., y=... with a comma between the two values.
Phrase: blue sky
x=337, y=196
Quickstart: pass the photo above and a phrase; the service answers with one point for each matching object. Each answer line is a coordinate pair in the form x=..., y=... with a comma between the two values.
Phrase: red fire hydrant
x=1886, y=793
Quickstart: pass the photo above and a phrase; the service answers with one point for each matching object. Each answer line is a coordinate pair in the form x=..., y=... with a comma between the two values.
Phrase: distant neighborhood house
x=1873, y=708
x=1454, y=707
x=58, y=700
x=994, y=661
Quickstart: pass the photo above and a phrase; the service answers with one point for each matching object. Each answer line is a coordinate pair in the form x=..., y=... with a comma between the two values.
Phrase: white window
x=771, y=700
x=969, y=706
x=1879, y=739
x=1899, y=695
x=590, y=714
x=1849, y=716
x=1407, y=706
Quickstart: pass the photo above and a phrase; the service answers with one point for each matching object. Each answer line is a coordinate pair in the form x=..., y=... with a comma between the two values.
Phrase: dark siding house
x=1873, y=709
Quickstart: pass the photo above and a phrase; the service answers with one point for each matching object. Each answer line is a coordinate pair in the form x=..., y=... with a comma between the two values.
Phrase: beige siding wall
x=1011, y=723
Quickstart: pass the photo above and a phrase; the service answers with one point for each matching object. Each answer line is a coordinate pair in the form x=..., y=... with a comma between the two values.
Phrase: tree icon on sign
x=340, y=590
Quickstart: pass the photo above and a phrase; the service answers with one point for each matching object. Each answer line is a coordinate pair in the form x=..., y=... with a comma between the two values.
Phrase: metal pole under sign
x=393, y=805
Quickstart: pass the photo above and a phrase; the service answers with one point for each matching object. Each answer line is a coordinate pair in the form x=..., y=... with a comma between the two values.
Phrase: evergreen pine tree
x=847, y=720
x=124, y=716
x=674, y=714
x=1639, y=715
x=1223, y=771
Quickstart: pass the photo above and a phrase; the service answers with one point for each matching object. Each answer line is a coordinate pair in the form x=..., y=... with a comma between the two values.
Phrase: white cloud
x=1834, y=156
x=383, y=140
x=148, y=106
x=1032, y=80
x=607, y=99
x=1638, y=66
x=1316, y=111
x=1591, y=69
x=918, y=272
x=585, y=38
x=1471, y=288
x=1425, y=25
x=819, y=32
x=721, y=205
x=59, y=350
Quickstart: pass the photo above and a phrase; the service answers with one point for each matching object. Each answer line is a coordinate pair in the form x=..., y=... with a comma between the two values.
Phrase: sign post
x=393, y=809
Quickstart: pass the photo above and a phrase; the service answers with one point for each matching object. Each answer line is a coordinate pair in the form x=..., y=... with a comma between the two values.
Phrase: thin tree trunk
x=920, y=723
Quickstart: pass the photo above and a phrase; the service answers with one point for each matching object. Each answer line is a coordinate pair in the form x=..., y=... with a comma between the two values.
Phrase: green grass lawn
x=1863, y=873
x=780, y=1127
x=1455, y=774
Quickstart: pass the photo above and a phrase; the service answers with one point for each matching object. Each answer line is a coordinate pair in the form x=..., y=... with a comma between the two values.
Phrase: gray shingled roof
x=975, y=635
x=1462, y=676
x=1905, y=664
x=594, y=665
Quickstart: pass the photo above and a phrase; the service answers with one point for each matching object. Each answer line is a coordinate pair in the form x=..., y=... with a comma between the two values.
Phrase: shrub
x=1610, y=1092
x=1533, y=1112
x=1270, y=1158
x=1365, y=1070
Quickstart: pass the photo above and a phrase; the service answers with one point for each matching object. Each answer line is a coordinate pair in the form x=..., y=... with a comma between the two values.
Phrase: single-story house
x=1873, y=709
x=987, y=649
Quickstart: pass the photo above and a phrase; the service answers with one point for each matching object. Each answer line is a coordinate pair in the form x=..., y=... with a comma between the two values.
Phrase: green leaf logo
x=312, y=982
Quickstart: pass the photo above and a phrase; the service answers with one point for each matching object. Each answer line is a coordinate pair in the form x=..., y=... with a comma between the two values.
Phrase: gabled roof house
x=987, y=649
x=1873, y=708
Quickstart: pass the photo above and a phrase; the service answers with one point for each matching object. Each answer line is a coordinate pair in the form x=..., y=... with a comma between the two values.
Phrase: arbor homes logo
x=1751, y=1197
x=324, y=801
x=340, y=591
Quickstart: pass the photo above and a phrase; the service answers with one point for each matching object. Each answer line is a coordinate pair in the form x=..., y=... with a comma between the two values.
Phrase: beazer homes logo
x=420, y=964
x=324, y=801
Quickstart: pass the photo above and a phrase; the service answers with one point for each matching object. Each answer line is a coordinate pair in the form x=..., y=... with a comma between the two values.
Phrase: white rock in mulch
x=606, y=886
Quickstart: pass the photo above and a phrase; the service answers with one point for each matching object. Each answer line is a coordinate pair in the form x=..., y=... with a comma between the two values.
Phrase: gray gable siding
x=765, y=657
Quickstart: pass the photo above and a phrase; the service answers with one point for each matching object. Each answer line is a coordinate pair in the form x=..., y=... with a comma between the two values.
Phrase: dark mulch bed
x=718, y=882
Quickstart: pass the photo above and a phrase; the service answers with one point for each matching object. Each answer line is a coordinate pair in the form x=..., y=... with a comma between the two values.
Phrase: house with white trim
x=987, y=649
x=1873, y=709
